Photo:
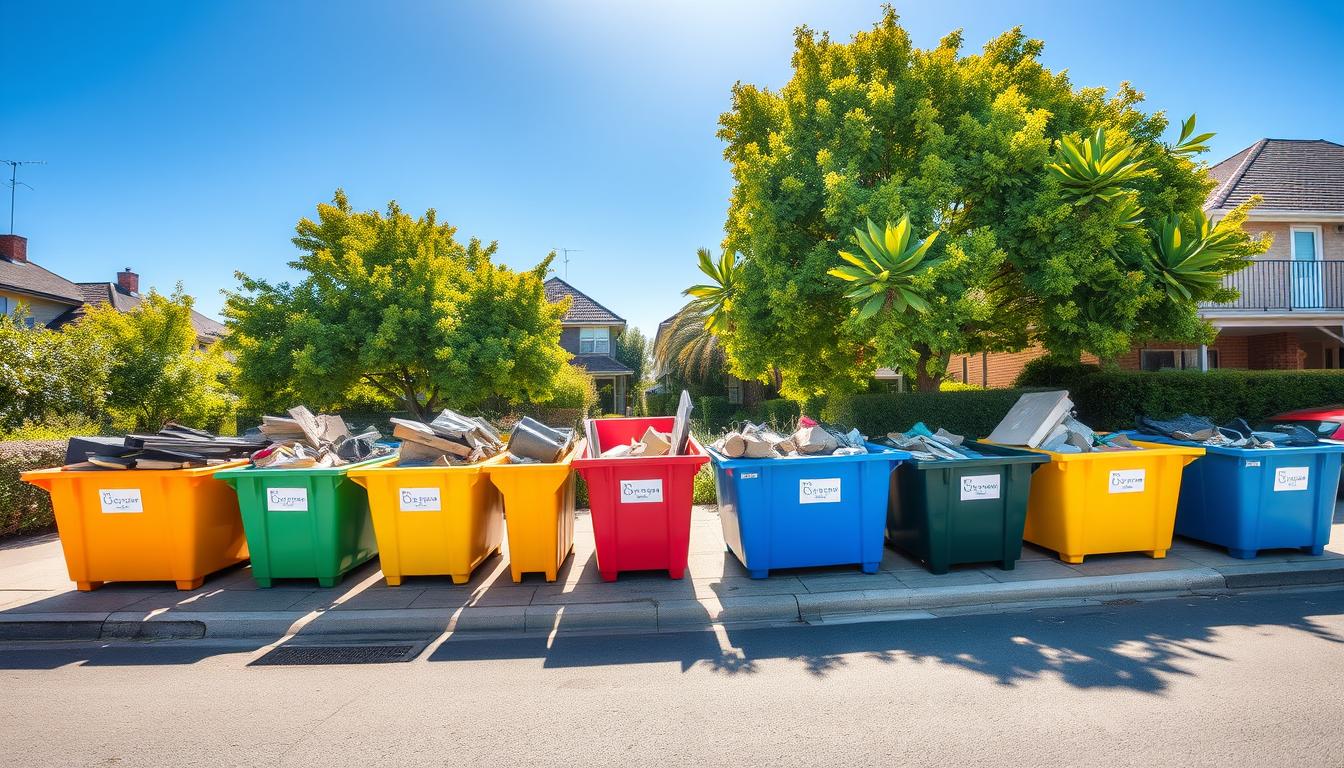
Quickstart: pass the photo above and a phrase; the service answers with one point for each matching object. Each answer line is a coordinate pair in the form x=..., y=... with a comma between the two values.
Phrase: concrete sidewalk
x=38, y=602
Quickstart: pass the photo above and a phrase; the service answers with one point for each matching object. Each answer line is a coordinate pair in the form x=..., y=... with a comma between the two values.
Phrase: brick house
x=589, y=331
x=54, y=301
x=1290, y=314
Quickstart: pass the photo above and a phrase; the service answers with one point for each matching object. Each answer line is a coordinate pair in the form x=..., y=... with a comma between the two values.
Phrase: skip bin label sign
x=287, y=499
x=641, y=491
x=1127, y=480
x=825, y=490
x=978, y=487
x=120, y=500
x=1291, y=478
x=420, y=500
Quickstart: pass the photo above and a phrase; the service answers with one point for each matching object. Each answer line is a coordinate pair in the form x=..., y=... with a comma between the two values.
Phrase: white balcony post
x=1203, y=357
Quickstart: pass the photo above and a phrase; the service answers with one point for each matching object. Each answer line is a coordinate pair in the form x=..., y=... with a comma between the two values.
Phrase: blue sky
x=186, y=139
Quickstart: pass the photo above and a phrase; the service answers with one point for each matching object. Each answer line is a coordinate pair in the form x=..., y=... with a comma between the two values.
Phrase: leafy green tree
x=961, y=144
x=394, y=307
x=49, y=375
x=156, y=369
x=632, y=350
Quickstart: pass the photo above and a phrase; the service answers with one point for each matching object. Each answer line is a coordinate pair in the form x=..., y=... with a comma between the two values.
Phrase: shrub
x=704, y=490
x=1054, y=373
x=573, y=388
x=970, y=413
x=26, y=508
x=1111, y=399
x=713, y=413
x=781, y=412
x=661, y=404
x=54, y=427
x=957, y=386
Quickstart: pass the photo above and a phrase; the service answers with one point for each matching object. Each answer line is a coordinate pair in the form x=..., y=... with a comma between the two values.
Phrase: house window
x=594, y=341
x=1174, y=359
x=4, y=305
x=734, y=390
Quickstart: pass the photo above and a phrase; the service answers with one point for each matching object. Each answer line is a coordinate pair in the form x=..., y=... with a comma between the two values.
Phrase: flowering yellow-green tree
x=157, y=369
x=1044, y=198
x=394, y=308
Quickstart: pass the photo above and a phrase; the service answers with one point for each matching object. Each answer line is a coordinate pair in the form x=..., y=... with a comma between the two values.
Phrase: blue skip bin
x=801, y=512
x=1249, y=499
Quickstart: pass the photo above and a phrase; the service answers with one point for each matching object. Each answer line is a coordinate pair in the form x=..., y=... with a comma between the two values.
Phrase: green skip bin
x=957, y=511
x=304, y=523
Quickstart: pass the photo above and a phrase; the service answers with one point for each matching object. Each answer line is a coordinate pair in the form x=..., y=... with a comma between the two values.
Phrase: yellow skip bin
x=539, y=512
x=433, y=521
x=1107, y=501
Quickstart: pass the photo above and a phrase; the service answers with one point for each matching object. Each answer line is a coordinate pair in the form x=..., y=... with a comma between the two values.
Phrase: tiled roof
x=601, y=364
x=97, y=294
x=1291, y=175
x=27, y=277
x=582, y=309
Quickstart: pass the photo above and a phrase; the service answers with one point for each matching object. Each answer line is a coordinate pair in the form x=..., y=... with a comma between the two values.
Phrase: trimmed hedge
x=1111, y=399
x=781, y=412
x=26, y=508
x=970, y=413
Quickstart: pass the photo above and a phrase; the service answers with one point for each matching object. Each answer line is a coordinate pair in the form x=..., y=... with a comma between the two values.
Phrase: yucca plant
x=882, y=276
x=1190, y=262
x=714, y=301
x=1092, y=170
x=1188, y=144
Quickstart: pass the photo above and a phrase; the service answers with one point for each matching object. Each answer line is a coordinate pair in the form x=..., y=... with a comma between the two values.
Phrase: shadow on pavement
x=1130, y=646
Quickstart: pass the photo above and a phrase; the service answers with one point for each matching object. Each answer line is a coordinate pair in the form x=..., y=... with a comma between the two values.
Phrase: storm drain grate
x=299, y=655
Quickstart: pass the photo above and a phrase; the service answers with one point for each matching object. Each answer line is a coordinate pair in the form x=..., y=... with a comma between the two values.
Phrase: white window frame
x=596, y=334
x=1315, y=230
x=1179, y=355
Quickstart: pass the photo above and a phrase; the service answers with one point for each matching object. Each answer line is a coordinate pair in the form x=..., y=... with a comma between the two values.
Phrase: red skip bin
x=641, y=506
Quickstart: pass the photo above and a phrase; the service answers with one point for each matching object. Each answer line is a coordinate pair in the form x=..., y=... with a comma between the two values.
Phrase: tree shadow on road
x=1140, y=647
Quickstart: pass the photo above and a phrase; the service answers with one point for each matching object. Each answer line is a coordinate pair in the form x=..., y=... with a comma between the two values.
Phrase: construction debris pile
x=925, y=445
x=1045, y=420
x=1235, y=434
x=531, y=442
x=305, y=441
x=173, y=447
x=810, y=438
x=451, y=439
x=652, y=442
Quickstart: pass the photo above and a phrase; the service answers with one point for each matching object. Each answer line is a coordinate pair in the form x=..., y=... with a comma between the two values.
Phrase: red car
x=1326, y=421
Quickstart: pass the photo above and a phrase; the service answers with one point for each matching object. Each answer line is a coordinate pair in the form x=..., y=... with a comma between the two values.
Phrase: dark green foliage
x=1053, y=372
x=780, y=412
x=26, y=508
x=973, y=414
x=1111, y=399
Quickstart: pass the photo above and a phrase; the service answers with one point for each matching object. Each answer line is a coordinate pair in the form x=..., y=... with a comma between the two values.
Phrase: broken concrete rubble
x=1045, y=420
x=305, y=441
x=759, y=441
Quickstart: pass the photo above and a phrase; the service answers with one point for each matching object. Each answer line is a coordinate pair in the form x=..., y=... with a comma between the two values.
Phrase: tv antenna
x=565, y=253
x=14, y=183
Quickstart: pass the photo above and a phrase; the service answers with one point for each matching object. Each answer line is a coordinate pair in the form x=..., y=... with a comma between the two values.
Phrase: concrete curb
x=652, y=615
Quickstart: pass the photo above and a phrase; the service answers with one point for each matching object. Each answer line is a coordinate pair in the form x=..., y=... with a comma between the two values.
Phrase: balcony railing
x=1281, y=285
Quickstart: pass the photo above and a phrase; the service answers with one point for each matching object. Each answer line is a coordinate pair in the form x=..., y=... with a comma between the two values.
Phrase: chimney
x=128, y=282
x=14, y=248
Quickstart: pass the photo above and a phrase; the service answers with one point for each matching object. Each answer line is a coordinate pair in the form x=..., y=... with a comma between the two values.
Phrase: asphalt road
x=1220, y=682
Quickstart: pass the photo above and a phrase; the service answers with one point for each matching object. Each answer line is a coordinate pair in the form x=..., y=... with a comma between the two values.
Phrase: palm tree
x=715, y=299
x=686, y=347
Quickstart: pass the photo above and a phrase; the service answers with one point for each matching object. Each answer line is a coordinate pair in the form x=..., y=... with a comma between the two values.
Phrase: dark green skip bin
x=304, y=523
x=962, y=511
